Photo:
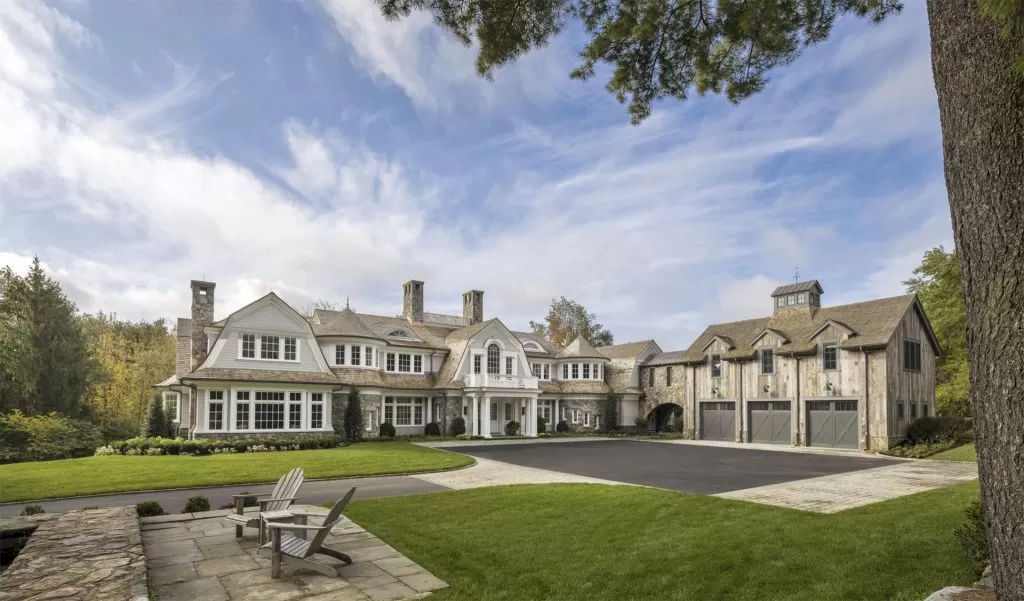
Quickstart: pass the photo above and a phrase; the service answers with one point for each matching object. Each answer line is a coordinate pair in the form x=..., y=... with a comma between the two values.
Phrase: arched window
x=493, y=359
x=531, y=346
x=399, y=334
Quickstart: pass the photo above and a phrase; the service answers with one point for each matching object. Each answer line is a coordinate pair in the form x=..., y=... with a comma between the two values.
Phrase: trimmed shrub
x=387, y=430
x=563, y=426
x=32, y=510
x=542, y=425
x=942, y=428
x=465, y=436
x=458, y=426
x=353, y=421
x=46, y=437
x=971, y=536
x=196, y=504
x=512, y=428
x=147, y=509
x=432, y=429
x=177, y=446
x=156, y=423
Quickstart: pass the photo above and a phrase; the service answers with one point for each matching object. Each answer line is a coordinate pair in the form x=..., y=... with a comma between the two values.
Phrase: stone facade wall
x=89, y=555
x=678, y=393
x=592, y=406
x=202, y=316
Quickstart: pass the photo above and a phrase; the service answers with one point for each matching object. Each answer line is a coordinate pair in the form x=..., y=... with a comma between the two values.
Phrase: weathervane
x=346, y=301
x=796, y=276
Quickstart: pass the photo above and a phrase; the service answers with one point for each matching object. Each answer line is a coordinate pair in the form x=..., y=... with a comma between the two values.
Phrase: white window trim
x=393, y=402
x=225, y=426
x=412, y=363
x=177, y=404
x=231, y=402
x=280, y=348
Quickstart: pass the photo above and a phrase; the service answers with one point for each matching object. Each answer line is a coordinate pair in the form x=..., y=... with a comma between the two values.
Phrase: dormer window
x=767, y=356
x=532, y=346
x=398, y=334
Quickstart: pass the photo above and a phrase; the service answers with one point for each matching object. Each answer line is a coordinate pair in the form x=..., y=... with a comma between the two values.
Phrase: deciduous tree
x=937, y=282
x=567, y=319
x=667, y=48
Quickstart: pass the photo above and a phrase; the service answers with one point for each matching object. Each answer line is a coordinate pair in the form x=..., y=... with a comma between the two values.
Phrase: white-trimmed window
x=248, y=346
x=586, y=419
x=356, y=359
x=586, y=371
x=493, y=359
x=575, y=371
x=172, y=405
x=368, y=356
x=535, y=368
x=404, y=363
x=270, y=347
x=404, y=411
x=476, y=364
x=242, y=410
x=508, y=366
x=575, y=416
x=294, y=410
x=597, y=422
x=339, y=354
x=268, y=410
x=565, y=371
x=417, y=364
x=215, y=410
x=389, y=363
x=291, y=349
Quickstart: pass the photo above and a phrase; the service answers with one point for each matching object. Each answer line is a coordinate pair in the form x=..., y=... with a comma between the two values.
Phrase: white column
x=470, y=402
x=429, y=417
x=532, y=412
x=554, y=418
x=485, y=415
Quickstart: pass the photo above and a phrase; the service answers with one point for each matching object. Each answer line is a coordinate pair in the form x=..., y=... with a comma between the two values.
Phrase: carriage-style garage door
x=832, y=424
x=770, y=421
x=718, y=421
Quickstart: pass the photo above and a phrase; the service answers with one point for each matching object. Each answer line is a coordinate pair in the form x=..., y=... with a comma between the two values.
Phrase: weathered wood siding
x=909, y=386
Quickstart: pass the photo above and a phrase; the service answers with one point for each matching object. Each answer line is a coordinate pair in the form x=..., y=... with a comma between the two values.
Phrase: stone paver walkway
x=196, y=556
x=831, y=494
x=93, y=555
x=488, y=472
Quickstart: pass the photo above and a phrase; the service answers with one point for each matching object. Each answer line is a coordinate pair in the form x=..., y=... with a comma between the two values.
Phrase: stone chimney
x=802, y=297
x=412, y=300
x=202, y=316
x=183, y=347
x=473, y=306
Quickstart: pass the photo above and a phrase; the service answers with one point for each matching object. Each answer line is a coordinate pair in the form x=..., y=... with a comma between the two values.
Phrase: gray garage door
x=771, y=421
x=832, y=424
x=718, y=421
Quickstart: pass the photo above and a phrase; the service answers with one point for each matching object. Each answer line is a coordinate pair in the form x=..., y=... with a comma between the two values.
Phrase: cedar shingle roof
x=808, y=286
x=253, y=375
x=628, y=349
x=340, y=323
x=872, y=322
x=579, y=348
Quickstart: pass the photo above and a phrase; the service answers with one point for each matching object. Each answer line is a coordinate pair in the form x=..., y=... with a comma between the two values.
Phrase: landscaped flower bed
x=178, y=446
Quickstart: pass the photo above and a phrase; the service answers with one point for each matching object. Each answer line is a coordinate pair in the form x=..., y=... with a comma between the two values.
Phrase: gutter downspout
x=742, y=411
x=798, y=411
x=693, y=400
x=867, y=403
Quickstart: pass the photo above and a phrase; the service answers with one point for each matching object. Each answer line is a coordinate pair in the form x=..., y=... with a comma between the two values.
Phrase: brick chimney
x=202, y=316
x=183, y=347
x=412, y=301
x=473, y=306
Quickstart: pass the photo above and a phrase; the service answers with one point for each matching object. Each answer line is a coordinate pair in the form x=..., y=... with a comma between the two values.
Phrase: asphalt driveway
x=686, y=468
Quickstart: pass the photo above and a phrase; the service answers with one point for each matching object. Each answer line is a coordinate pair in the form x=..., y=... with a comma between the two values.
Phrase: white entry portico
x=488, y=412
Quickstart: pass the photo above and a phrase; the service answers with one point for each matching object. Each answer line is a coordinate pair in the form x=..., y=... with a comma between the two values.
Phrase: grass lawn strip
x=594, y=542
x=966, y=452
x=97, y=475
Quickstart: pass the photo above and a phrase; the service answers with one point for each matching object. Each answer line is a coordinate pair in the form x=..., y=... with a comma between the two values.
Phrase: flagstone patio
x=196, y=556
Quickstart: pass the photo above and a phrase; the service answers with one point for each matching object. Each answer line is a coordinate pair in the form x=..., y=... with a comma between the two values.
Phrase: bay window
x=356, y=359
x=295, y=411
x=586, y=371
x=575, y=371
x=390, y=363
x=339, y=354
x=269, y=410
x=565, y=371
x=417, y=363
x=368, y=356
x=404, y=363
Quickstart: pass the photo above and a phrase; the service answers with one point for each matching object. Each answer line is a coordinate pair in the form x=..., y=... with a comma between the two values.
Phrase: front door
x=497, y=419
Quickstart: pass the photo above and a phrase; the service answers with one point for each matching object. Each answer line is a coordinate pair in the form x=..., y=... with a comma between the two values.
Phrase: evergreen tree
x=353, y=416
x=610, y=409
x=669, y=48
x=45, y=364
x=156, y=425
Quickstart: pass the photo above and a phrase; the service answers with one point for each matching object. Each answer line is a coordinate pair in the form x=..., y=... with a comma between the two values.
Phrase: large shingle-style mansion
x=846, y=376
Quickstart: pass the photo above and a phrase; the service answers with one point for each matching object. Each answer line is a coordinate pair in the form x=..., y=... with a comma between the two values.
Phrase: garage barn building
x=849, y=376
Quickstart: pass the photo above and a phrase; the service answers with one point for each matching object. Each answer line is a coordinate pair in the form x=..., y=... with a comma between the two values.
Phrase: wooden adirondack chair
x=298, y=551
x=282, y=497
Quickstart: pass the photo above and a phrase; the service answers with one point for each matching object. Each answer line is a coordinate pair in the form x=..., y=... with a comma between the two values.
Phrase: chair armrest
x=288, y=526
x=263, y=502
x=249, y=495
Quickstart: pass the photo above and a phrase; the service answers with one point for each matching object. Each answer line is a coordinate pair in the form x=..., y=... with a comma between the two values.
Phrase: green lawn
x=93, y=475
x=616, y=543
x=962, y=453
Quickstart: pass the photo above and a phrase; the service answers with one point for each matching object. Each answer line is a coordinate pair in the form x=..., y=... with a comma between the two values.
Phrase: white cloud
x=660, y=229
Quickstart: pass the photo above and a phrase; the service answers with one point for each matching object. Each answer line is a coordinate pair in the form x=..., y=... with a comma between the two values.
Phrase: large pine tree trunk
x=981, y=106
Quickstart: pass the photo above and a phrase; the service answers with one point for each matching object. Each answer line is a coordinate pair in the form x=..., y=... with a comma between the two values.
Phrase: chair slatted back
x=287, y=486
x=333, y=517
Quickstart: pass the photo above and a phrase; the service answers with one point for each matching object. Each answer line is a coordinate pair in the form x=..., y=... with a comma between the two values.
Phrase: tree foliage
x=937, y=282
x=659, y=49
x=610, y=411
x=45, y=363
x=567, y=319
x=131, y=358
x=157, y=423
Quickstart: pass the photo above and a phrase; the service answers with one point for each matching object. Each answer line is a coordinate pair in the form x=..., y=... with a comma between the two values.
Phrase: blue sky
x=312, y=148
